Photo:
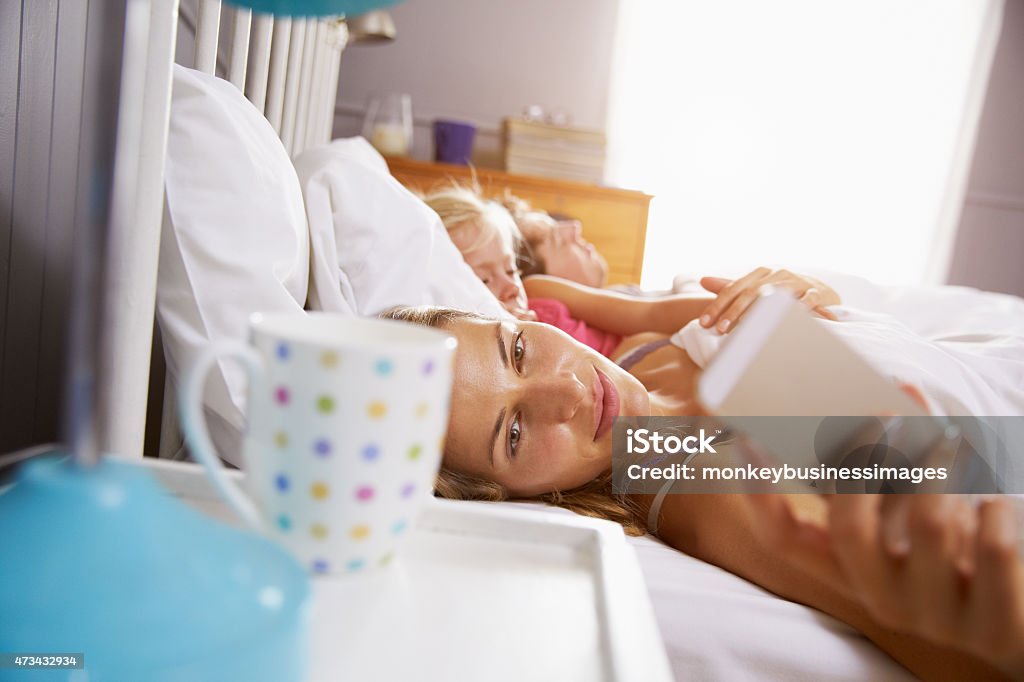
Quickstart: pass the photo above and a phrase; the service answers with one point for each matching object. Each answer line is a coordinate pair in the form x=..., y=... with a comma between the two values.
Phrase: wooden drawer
x=614, y=220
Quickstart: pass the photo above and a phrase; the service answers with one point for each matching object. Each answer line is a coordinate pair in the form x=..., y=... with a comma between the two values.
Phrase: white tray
x=479, y=592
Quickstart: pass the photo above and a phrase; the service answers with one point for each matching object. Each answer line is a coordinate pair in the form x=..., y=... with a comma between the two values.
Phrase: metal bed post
x=256, y=79
x=279, y=51
x=82, y=421
x=207, y=31
x=337, y=39
x=136, y=212
x=291, y=84
x=239, y=58
x=298, y=136
x=312, y=90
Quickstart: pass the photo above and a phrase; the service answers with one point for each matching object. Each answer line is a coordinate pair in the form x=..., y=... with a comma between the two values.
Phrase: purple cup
x=453, y=142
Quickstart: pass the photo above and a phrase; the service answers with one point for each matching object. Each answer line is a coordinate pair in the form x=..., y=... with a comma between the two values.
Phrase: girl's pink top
x=557, y=314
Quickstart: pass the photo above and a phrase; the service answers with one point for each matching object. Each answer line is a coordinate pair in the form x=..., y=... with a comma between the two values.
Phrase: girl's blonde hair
x=463, y=207
x=594, y=499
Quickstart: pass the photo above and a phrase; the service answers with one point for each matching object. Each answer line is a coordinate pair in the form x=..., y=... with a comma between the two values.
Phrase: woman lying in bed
x=531, y=418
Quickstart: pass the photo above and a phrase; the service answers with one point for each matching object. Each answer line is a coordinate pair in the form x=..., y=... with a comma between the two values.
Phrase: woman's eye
x=518, y=350
x=514, y=434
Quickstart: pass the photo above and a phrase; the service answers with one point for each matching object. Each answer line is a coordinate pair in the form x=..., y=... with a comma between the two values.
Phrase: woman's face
x=532, y=409
x=494, y=264
x=560, y=246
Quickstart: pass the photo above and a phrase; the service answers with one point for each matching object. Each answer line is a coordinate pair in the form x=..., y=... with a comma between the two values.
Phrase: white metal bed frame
x=287, y=68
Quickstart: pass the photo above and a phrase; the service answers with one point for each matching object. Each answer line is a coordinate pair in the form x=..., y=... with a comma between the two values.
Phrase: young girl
x=487, y=237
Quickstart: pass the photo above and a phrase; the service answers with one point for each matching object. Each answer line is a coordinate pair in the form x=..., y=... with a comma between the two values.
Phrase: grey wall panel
x=989, y=248
x=10, y=57
x=29, y=218
x=63, y=185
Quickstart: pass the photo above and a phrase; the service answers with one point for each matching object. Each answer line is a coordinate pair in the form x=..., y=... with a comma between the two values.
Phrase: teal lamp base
x=103, y=562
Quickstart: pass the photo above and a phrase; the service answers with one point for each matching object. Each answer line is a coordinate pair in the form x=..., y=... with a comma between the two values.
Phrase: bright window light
x=799, y=132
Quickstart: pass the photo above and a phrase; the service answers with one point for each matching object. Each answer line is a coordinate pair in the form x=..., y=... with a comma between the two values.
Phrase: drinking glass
x=388, y=123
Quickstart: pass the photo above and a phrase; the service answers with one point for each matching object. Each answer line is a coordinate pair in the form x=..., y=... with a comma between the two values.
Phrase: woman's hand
x=929, y=565
x=932, y=566
x=936, y=567
x=735, y=296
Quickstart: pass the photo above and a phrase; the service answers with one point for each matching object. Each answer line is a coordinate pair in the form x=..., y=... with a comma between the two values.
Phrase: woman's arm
x=727, y=530
x=619, y=313
x=726, y=303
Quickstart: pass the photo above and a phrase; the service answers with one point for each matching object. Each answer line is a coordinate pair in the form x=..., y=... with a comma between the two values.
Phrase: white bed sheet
x=963, y=348
x=717, y=626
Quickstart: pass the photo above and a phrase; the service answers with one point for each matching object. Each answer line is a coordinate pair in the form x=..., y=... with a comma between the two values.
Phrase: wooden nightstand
x=614, y=220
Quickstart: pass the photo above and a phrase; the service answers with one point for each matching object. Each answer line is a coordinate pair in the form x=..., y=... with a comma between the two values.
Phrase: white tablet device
x=780, y=361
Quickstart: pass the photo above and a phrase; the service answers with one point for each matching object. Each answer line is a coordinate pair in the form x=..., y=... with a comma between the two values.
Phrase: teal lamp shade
x=103, y=562
x=313, y=8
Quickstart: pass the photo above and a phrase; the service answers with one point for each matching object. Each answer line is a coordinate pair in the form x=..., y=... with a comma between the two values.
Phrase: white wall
x=482, y=60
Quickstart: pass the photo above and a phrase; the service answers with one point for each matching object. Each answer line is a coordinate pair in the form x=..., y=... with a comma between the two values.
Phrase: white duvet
x=962, y=347
x=965, y=349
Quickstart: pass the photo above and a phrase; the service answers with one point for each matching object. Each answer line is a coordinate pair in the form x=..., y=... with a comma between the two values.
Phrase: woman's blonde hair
x=594, y=499
x=462, y=206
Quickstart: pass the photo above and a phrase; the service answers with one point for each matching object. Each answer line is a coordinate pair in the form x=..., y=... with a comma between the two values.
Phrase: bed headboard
x=287, y=68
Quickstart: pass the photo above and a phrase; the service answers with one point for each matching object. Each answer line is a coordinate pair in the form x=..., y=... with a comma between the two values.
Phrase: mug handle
x=193, y=423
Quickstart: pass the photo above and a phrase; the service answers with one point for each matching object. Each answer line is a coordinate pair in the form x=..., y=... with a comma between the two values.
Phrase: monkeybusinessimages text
x=648, y=442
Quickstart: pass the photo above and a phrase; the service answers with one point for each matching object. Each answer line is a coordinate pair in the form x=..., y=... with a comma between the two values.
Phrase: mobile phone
x=781, y=362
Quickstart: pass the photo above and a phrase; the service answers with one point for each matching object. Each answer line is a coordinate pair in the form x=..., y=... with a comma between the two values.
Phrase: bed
x=714, y=625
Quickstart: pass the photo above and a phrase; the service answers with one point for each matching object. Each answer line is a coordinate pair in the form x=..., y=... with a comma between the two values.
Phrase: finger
x=941, y=455
x=966, y=516
x=738, y=308
x=895, y=524
x=855, y=534
x=866, y=445
x=915, y=394
x=996, y=595
x=787, y=280
x=826, y=313
x=728, y=294
x=714, y=284
x=814, y=299
x=932, y=577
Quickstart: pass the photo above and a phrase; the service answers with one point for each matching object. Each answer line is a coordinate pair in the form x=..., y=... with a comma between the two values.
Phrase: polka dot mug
x=345, y=425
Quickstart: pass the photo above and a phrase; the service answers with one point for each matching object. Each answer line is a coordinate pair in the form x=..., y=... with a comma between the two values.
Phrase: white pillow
x=375, y=242
x=235, y=239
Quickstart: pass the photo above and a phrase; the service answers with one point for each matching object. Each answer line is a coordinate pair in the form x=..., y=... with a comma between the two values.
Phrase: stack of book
x=551, y=151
